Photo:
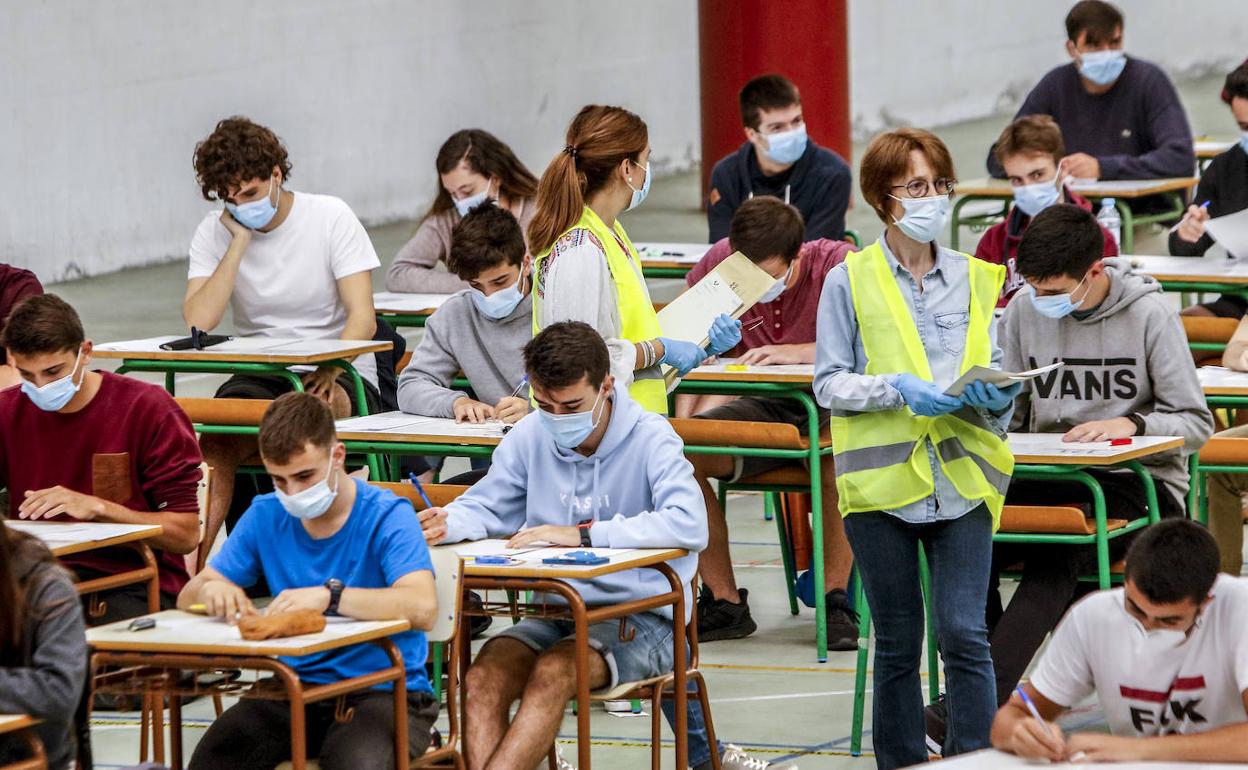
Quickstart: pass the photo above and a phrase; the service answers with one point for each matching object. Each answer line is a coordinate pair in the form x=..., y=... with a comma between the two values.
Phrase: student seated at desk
x=474, y=167
x=778, y=159
x=1030, y=150
x=1120, y=116
x=43, y=648
x=1224, y=186
x=82, y=445
x=1164, y=655
x=16, y=285
x=479, y=331
x=1226, y=490
x=326, y=542
x=780, y=329
x=590, y=467
x=288, y=264
x=1128, y=373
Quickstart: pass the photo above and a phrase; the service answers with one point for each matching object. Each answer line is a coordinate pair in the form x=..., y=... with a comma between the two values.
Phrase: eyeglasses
x=919, y=188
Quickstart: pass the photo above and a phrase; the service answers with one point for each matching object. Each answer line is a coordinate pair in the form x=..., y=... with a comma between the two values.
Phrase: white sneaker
x=735, y=758
x=560, y=762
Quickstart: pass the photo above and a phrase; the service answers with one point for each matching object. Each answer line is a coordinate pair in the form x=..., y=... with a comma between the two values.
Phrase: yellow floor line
x=801, y=669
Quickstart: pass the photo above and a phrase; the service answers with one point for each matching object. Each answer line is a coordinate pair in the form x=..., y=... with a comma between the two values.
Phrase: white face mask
x=464, y=205
x=778, y=287
x=53, y=396
x=313, y=501
x=925, y=218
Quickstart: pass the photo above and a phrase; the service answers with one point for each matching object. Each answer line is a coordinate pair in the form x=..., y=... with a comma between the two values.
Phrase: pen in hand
x=411, y=476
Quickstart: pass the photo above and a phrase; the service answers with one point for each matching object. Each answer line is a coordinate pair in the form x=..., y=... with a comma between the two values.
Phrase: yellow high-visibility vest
x=881, y=457
x=638, y=321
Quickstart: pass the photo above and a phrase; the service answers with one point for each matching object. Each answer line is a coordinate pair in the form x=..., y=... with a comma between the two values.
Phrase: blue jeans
x=959, y=553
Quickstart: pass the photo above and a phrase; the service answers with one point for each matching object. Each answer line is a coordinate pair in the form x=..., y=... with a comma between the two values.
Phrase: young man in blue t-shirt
x=329, y=543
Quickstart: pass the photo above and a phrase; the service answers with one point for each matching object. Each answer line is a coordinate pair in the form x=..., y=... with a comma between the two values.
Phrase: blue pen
x=1205, y=205
x=419, y=489
x=1032, y=708
x=523, y=381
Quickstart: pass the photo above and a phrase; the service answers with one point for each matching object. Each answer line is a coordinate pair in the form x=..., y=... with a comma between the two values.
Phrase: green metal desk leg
x=1128, y=226
x=436, y=652
x=816, y=525
x=860, y=673
x=933, y=650
x=786, y=556
x=171, y=383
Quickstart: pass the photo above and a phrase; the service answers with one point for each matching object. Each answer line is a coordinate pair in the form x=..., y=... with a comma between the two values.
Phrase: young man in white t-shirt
x=287, y=264
x=1166, y=655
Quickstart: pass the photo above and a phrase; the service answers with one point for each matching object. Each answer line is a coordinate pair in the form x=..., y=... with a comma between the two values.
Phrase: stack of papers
x=399, y=422
x=531, y=554
x=56, y=534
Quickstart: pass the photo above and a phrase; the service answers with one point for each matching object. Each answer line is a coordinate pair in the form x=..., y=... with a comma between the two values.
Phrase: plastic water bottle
x=1111, y=221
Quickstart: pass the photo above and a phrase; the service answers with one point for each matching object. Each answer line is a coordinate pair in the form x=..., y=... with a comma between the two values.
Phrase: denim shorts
x=648, y=654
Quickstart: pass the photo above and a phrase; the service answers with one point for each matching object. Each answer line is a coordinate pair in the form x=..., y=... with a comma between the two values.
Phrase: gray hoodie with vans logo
x=1129, y=356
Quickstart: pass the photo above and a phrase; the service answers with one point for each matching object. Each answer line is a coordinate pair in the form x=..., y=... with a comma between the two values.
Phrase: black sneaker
x=936, y=724
x=842, y=622
x=478, y=624
x=721, y=619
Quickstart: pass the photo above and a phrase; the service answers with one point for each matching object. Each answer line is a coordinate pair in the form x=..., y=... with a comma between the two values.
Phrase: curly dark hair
x=236, y=151
x=489, y=235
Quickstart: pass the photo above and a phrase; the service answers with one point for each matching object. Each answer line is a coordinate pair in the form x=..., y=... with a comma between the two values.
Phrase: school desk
x=22, y=726
x=391, y=435
x=1045, y=456
x=669, y=260
x=67, y=538
x=1195, y=274
x=150, y=662
x=991, y=759
x=1207, y=149
x=244, y=355
x=401, y=309
x=1121, y=190
x=554, y=579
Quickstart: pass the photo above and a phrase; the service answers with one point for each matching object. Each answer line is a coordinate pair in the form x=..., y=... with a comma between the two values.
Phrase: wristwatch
x=584, y=526
x=1138, y=422
x=335, y=587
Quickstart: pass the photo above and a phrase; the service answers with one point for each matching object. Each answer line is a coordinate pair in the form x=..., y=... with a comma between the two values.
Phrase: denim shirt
x=941, y=314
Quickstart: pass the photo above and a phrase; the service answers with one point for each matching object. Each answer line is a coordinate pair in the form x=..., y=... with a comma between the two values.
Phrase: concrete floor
x=768, y=692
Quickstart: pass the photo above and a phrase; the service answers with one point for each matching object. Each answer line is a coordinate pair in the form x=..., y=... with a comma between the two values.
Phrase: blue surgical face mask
x=639, y=195
x=256, y=214
x=1058, y=305
x=777, y=288
x=570, y=430
x=53, y=396
x=313, y=501
x=1102, y=67
x=1031, y=199
x=1243, y=142
x=500, y=303
x=464, y=205
x=785, y=147
x=924, y=218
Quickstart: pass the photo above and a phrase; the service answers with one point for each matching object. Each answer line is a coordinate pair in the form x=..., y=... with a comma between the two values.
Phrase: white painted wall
x=103, y=102
x=928, y=63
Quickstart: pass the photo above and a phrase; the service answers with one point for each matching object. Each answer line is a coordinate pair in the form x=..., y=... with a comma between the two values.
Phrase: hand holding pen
x=511, y=408
x=1192, y=226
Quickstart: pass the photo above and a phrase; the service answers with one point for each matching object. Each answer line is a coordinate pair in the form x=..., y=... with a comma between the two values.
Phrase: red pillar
x=807, y=41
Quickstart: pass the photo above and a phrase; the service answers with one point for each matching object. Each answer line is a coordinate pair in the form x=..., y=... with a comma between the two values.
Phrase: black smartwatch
x=1138, y=422
x=586, y=541
x=335, y=587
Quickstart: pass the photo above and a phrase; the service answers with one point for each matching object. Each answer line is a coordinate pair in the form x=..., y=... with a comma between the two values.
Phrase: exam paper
x=996, y=377
x=1231, y=232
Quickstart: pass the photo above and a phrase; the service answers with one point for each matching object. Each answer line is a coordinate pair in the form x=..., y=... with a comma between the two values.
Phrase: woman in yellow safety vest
x=586, y=267
x=899, y=322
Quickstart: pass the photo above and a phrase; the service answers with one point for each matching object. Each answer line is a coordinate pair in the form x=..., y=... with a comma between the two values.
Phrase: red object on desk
x=1120, y=442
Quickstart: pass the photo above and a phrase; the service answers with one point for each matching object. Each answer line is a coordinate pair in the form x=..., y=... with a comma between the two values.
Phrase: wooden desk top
x=671, y=254
x=1049, y=449
x=1207, y=149
x=184, y=632
x=621, y=560
x=411, y=428
x=1220, y=381
x=242, y=350
x=1110, y=188
x=13, y=722
x=1233, y=272
x=66, y=538
x=789, y=374
x=414, y=304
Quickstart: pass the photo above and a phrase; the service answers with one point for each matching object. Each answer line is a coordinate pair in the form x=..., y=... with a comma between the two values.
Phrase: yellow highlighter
x=198, y=609
x=736, y=367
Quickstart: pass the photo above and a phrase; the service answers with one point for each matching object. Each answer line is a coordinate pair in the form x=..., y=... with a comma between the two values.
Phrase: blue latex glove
x=923, y=397
x=985, y=395
x=724, y=334
x=681, y=356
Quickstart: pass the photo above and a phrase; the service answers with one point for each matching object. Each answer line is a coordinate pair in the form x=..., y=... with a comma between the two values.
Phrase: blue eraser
x=500, y=561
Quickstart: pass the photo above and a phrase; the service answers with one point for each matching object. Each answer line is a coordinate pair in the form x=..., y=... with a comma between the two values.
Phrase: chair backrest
x=1202, y=329
x=224, y=411
x=439, y=494
x=404, y=360
x=195, y=559
x=448, y=573
x=757, y=435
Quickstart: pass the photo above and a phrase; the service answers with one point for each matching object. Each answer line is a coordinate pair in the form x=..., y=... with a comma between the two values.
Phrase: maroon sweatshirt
x=131, y=444
x=16, y=285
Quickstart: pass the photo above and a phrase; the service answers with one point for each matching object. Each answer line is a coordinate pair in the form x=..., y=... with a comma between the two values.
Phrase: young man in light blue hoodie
x=589, y=467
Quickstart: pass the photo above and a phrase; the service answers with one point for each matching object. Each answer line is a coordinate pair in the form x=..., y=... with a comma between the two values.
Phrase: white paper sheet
x=83, y=532
x=689, y=253
x=996, y=377
x=382, y=421
x=410, y=424
x=1231, y=232
x=408, y=303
